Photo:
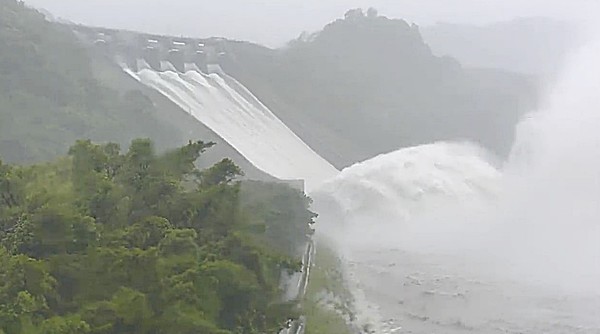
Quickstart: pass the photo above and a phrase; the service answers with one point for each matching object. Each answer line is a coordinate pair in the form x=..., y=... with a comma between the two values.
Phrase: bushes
x=110, y=242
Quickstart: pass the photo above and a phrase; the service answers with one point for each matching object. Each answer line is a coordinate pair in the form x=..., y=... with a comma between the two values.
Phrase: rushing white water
x=234, y=113
x=437, y=240
x=389, y=192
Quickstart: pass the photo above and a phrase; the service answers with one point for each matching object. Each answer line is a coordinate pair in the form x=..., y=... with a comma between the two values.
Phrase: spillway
x=439, y=238
x=229, y=109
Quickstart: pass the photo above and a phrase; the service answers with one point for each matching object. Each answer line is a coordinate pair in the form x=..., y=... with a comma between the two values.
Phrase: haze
x=275, y=22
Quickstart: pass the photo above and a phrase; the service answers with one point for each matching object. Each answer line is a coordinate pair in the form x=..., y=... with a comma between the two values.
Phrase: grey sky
x=276, y=21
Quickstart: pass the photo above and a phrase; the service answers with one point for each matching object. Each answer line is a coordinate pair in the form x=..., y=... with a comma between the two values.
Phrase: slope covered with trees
x=367, y=84
x=49, y=96
x=107, y=242
x=54, y=91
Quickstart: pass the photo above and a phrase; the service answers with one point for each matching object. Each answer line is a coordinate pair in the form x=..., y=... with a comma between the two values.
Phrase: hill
x=367, y=84
x=362, y=86
x=54, y=91
x=49, y=97
x=527, y=45
x=110, y=242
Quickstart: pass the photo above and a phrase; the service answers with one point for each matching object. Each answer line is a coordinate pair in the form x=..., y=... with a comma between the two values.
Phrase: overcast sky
x=277, y=21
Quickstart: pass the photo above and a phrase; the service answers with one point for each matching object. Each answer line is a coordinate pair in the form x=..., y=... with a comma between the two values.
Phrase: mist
x=439, y=220
x=276, y=22
x=446, y=220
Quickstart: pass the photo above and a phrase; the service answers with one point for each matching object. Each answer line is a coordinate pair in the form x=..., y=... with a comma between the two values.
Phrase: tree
x=283, y=213
x=181, y=162
x=237, y=288
x=137, y=163
x=223, y=172
x=25, y=287
x=64, y=325
x=354, y=14
x=147, y=233
x=187, y=320
x=103, y=242
x=372, y=12
x=179, y=243
x=11, y=180
x=58, y=230
x=133, y=310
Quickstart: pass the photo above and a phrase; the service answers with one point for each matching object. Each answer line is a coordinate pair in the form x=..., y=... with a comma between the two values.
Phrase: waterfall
x=229, y=109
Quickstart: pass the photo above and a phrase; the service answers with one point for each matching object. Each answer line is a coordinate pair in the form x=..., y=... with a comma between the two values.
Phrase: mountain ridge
x=55, y=90
x=543, y=44
x=363, y=86
x=376, y=85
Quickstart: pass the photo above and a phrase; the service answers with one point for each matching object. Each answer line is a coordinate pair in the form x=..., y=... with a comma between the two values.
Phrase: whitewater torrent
x=436, y=239
x=229, y=109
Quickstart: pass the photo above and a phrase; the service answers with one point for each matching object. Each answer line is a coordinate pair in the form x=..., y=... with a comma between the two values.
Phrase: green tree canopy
x=107, y=242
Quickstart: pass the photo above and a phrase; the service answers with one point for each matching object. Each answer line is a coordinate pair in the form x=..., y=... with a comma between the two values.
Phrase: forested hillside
x=107, y=242
x=54, y=91
x=367, y=84
x=49, y=97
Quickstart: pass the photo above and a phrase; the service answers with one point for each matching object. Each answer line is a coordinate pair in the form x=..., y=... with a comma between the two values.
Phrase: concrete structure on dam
x=129, y=46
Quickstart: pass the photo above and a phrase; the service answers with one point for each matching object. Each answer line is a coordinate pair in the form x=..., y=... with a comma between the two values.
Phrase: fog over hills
x=55, y=91
x=535, y=46
x=364, y=85
x=273, y=23
x=367, y=84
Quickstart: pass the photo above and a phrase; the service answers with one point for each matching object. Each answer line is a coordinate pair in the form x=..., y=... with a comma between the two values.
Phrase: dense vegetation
x=106, y=242
x=367, y=84
x=49, y=96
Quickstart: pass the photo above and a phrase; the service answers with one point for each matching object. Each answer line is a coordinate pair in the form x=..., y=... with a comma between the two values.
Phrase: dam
x=434, y=238
x=187, y=72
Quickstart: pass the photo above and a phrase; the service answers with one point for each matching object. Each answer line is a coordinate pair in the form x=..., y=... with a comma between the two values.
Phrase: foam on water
x=234, y=113
x=388, y=193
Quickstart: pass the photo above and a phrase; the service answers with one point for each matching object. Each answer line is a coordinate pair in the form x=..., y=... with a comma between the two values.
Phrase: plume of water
x=378, y=202
x=443, y=241
x=550, y=214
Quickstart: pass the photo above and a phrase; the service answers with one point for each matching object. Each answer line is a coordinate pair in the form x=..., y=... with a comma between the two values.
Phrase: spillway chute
x=229, y=109
x=412, y=181
x=191, y=67
x=167, y=66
